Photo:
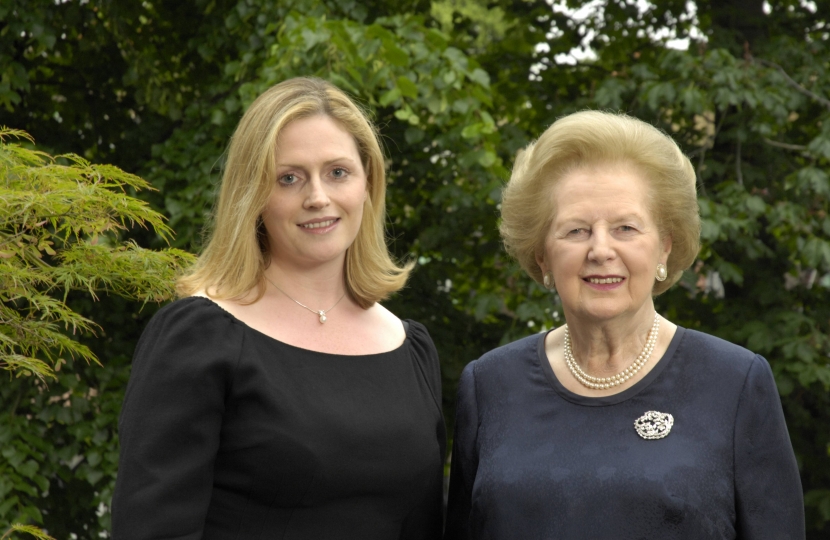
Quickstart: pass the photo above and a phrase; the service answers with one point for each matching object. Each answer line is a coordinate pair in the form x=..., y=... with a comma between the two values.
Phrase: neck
x=318, y=287
x=605, y=348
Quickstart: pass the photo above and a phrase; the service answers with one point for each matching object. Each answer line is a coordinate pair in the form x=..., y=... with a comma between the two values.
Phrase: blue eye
x=339, y=172
x=578, y=234
x=287, y=179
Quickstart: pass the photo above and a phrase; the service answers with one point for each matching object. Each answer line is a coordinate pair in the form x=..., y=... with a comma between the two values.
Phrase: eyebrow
x=628, y=216
x=623, y=217
x=325, y=163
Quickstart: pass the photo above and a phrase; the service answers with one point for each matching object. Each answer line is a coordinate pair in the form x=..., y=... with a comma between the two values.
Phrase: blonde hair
x=236, y=255
x=590, y=138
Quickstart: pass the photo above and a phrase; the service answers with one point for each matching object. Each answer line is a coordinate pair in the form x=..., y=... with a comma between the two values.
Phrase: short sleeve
x=464, y=458
x=768, y=494
x=171, y=420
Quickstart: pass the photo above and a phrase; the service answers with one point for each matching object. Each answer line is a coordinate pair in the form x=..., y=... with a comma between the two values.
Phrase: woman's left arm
x=768, y=498
x=426, y=519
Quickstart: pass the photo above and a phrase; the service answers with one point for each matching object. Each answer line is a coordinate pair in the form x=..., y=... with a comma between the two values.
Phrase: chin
x=326, y=256
x=606, y=312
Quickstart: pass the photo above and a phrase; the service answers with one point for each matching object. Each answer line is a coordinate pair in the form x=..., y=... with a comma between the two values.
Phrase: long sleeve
x=426, y=356
x=464, y=458
x=769, y=500
x=170, y=423
x=426, y=518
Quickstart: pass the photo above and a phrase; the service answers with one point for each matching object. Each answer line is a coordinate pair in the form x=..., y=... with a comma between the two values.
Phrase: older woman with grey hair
x=619, y=424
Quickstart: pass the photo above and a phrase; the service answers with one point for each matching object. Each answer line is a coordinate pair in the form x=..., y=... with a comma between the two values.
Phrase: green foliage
x=28, y=529
x=59, y=224
x=456, y=86
x=57, y=234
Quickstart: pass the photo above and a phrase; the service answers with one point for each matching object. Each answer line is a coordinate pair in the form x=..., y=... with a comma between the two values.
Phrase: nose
x=316, y=195
x=601, y=249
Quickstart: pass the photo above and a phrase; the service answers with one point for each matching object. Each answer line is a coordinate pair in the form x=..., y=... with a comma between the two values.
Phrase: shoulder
x=419, y=340
x=191, y=326
x=190, y=347
x=505, y=362
x=423, y=350
x=192, y=310
x=709, y=346
x=388, y=323
x=719, y=357
x=521, y=350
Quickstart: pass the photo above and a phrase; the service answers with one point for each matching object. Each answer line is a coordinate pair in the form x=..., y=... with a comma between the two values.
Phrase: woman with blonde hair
x=277, y=398
x=619, y=424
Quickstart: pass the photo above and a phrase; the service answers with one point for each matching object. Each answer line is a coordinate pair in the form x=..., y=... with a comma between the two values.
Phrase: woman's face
x=603, y=246
x=316, y=203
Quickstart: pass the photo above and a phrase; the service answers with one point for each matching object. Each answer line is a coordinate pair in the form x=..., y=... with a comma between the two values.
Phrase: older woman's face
x=603, y=246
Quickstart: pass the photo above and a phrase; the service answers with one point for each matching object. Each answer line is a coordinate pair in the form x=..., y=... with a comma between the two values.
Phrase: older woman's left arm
x=768, y=497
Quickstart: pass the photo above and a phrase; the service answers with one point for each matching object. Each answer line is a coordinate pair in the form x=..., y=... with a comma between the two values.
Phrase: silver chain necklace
x=319, y=312
x=601, y=383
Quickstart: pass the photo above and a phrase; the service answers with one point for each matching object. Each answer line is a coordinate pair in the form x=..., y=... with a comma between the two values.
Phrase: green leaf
x=414, y=135
x=31, y=530
x=487, y=159
x=403, y=114
x=27, y=469
x=390, y=97
x=395, y=55
x=814, y=180
x=480, y=76
x=407, y=87
x=755, y=204
x=218, y=117
x=471, y=131
x=8, y=504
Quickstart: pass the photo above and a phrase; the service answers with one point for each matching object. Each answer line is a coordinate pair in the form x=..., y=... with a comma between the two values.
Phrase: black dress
x=228, y=433
x=532, y=460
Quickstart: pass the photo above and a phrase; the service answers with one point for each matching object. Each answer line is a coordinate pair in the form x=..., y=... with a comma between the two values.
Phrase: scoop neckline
x=602, y=401
x=234, y=319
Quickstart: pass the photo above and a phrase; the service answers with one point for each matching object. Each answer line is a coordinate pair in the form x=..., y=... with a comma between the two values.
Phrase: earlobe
x=666, y=247
x=540, y=260
x=547, y=277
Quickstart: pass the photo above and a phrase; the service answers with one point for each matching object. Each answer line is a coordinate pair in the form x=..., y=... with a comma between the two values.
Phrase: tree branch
x=794, y=84
x=785, y=146
x=738, y=172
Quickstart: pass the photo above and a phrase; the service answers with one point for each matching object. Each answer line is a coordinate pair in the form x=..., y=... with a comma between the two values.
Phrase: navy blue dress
x=532, y=460
x=228, y=434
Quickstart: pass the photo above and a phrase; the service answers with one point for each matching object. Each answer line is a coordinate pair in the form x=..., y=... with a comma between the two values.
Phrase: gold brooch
x=654, y=425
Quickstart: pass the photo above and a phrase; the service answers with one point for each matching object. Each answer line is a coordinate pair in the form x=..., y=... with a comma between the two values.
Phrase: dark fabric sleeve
x=769, y=500
x=426, y=520
x=170, y=422
x=464, y=458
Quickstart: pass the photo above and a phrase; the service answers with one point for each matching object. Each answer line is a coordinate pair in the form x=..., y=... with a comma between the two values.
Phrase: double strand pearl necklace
x=319, y=312
x=601, y=383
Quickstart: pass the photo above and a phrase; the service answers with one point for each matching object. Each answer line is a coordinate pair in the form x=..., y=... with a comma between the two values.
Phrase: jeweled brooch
x=654, y=425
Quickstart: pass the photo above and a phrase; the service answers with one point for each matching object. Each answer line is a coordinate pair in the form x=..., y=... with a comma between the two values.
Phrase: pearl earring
x=662, y=272
x=548, y=281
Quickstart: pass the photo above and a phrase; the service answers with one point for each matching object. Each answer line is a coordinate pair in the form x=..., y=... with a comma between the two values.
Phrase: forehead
x=314, y=135
x=604, y=191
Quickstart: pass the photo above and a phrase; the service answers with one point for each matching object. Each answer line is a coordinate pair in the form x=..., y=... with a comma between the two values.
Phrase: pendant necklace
x=319, y=312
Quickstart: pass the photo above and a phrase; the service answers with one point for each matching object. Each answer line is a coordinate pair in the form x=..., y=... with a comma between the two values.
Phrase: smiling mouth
x=319, y=224
x=603, y=281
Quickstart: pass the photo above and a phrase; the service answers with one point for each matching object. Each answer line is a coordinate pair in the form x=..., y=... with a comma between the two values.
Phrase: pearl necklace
x=602, y=383
x=319, y=312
